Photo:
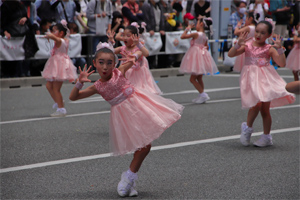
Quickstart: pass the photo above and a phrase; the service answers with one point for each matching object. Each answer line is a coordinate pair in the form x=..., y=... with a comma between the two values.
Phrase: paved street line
x=107, y=112
x=238, y=75
x=169, y=146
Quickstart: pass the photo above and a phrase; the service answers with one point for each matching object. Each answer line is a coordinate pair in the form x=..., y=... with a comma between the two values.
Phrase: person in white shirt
x=260, y=7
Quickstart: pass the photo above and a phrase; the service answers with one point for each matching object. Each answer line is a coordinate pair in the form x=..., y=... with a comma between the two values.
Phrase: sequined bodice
x=257, y=55
x=201, y=39
x=116, y=89
x=63, y=49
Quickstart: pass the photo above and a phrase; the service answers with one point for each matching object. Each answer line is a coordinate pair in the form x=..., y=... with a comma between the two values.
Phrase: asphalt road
x=199, y=157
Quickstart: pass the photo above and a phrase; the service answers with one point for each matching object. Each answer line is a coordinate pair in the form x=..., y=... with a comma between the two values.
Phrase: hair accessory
x=65, y=23
x=210, y=27
x=271, y=22
x=105, y=45
x=108, y=46
x=135, y=24
x=143, y=25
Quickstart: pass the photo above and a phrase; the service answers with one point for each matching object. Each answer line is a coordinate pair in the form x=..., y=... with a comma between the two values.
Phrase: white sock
x=268, y=136
x=62, y=110
x=132, y=175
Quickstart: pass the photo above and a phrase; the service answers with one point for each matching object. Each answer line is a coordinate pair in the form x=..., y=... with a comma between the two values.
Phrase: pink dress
x=293, y=59
x=197, y=60
x=140, y=74
x=137, y=117
x=259, y=81
x=59, y=66
x=240, y=59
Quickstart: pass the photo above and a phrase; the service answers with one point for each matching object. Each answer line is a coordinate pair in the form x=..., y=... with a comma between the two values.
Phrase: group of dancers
x=139, y=114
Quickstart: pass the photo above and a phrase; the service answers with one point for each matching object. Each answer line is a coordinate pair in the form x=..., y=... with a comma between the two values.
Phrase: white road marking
x=155, y=148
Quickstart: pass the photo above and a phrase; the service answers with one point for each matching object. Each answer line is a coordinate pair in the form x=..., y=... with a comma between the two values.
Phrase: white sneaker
x=125, y=185
x=201, y=99
x=245, y=134
x=133, y=192
x=264, y=141
x=59, y=113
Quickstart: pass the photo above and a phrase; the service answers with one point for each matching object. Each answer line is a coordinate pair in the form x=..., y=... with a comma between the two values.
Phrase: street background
x=199, y=157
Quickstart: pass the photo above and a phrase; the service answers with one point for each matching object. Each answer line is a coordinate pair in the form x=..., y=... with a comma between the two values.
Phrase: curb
x=39, y=81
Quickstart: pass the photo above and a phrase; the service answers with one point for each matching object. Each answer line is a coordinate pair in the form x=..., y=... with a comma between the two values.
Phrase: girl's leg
x=200, y=81
x=266, y=138
x=296, y=75
x=252, y=114
x=126, y=186
x=49, y=86
x=267, y=119
x=197, y=85
x=56, y=90
x=138, y=158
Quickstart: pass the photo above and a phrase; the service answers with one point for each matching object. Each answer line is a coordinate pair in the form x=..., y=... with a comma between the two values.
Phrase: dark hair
x=60, y=27
x=135, y=30
x=73, y=26
x=257, y=15
x=270, y=27
x=239, y=3
x=104, y=50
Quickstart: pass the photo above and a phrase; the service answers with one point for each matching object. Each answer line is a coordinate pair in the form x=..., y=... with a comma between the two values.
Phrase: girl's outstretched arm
x=136, y=42
x=76, y=93
x=278, y=55
x=57, y=40
x=185, y=34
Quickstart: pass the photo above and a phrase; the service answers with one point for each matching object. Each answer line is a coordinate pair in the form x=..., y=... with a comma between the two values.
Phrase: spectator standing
x=296, y=11
x=117, y=6
x=260, y=7
x=131, y=12
x=280, y=13
x=31, y=14
x=155, y=21
x=99, y=14
x=239, y=15
x=202, y=9
x=46, y=9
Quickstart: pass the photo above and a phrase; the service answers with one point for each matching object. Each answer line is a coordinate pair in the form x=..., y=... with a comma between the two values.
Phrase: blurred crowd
x=31, y=17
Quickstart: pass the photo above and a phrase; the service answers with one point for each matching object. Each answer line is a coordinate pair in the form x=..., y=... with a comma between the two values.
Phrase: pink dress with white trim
x=137, y=117
x=240, y=59
x=293, y=59
x=59, y=66
x=259, y=81
x=197, y=60
x=140, y=74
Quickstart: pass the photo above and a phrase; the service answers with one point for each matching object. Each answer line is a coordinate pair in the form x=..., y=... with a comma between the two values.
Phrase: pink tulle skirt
x=59, y=68
x=293, y=59
x=197, y=60
x=140, y=119
x=263, y=84
x=140, y=76
x=239, y=63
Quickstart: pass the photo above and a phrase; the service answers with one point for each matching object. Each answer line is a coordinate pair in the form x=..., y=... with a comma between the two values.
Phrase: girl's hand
x=22, y=21
x=239, y=24
x=127, y=57
x=242, y=39
x=83, y=76
x=135, y=40
x=110, y=36
x=277, y=42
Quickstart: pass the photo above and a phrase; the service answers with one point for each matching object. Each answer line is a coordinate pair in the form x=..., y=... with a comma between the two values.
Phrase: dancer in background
x=293, y=59
x=197, y=61
x=261, y=86
x=59, y=67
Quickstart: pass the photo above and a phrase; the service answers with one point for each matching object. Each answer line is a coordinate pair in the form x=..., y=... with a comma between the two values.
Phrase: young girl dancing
x=197, y=60
x=261, y=87
x=140, y=74
x=137, y=117
x=249, y=27
x=59, y=67
x=293, y=59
